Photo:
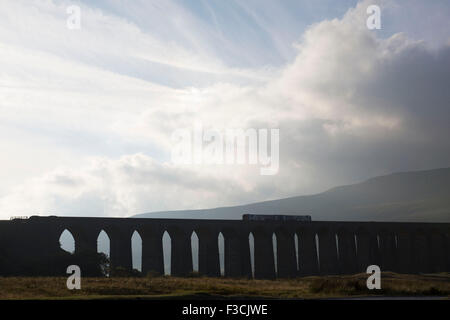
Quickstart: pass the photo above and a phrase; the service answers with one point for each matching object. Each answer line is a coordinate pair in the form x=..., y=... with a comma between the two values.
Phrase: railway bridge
x=302, y=247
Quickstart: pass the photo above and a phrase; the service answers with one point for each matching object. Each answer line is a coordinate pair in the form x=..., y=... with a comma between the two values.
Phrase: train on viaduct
x=302, y=248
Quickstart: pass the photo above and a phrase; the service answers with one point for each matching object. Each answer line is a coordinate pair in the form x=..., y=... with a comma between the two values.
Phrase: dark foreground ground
x=352, y=286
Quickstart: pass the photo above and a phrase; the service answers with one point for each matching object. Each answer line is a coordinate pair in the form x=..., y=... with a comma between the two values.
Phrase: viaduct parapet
x=302, y=248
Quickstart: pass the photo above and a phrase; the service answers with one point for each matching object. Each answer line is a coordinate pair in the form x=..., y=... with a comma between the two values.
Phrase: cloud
x=120, y=187
x=351, y=104
x=376, y=105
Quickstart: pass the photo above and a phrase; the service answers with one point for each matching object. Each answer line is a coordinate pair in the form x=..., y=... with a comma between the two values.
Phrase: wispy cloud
x=86, y=116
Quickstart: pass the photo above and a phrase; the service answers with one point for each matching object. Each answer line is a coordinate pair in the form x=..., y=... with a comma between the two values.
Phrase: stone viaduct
x=302, y=248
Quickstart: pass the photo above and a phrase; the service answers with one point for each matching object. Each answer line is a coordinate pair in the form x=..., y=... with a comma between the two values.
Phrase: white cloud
x=121, y=187
x=350, y=105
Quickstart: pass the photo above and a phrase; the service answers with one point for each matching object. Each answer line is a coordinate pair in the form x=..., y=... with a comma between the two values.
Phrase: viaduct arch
x=342, y=247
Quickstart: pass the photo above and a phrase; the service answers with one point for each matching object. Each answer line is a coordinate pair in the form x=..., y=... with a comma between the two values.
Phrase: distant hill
x=405, y=196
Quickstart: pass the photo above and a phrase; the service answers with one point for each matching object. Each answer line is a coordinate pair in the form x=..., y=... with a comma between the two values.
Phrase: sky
x=87, y=115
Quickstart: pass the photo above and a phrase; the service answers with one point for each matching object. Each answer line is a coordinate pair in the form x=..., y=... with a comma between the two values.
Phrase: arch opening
x=251, y=243
x=167, y=251
x=136, y=251
x=317, y=250
x=194, y=251
x=296, y=244
x=67, y=241
x=337, y=246
x=103, y=246
x=103, y=243
x=274, y=253
x=221, y=244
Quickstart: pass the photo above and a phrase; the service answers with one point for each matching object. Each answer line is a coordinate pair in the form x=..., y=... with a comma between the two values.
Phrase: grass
x=222, y=288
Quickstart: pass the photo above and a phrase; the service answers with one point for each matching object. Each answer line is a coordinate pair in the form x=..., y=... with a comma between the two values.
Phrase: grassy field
x=222, y=288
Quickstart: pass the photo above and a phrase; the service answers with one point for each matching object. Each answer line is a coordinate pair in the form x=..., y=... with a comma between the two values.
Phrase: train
x=276, y=217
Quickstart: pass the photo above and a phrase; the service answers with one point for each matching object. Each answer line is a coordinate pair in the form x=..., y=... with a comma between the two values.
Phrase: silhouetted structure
x=302, y=248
